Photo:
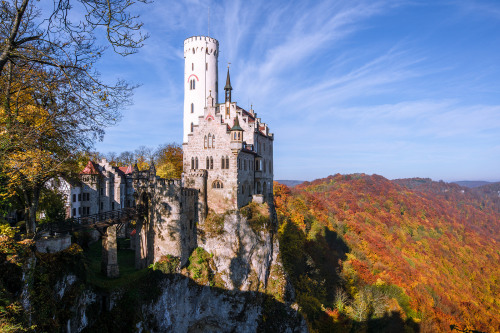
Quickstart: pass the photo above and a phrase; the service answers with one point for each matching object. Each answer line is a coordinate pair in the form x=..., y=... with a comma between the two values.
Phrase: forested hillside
x=368, y=254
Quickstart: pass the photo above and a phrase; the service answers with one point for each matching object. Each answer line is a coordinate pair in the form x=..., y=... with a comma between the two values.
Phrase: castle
x=227, y=162
x=231, y=144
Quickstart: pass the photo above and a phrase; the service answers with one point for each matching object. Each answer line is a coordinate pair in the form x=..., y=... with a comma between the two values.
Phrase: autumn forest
x=359, y=247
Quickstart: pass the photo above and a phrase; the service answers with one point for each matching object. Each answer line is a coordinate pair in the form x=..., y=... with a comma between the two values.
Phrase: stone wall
x=167, y=224
x=52, y=244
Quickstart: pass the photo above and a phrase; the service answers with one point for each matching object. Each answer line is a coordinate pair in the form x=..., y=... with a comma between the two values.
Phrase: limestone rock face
x=242, y=256
x=186, y=307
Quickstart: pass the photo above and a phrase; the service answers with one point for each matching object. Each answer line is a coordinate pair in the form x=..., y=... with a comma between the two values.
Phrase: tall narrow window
x=192, y=66
x=205, y=142
x=192, y=127
x=213, y=141
x=192, y=107
x=222, y=163
x=209, y=140
x=208, y=163
x=196, y=163
x=211, y=162
x=194, y=82
x=192, y=162
x=227, y=162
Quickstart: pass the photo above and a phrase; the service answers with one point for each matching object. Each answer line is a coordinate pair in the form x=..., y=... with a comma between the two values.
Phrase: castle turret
x=200, y=78
x=236, y=137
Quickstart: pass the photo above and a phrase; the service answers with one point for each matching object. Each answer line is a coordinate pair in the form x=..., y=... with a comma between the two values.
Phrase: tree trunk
x=32, y=198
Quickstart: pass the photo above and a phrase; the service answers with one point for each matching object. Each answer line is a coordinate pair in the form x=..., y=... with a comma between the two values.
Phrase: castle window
x=192, y=163
x=213, y=141
x=205, y=142
x=196, y=163
x=208, y=163
x=222, y=164
x=209, y=140
x=227, y=162
x=193, y=50
x=192, y=107
x=217, y=184
x=211, y=162
x=192, y=127
x=192, y=66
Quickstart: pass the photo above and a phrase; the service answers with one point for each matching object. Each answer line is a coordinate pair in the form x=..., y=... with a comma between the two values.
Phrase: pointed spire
x=236, y=125
x=228, y=81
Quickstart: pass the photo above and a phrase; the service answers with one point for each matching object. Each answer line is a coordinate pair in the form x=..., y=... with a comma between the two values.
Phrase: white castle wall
x=200, y=64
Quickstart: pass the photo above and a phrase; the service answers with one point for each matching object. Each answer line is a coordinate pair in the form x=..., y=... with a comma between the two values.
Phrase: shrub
x=214, y=223
x=257, y=216
x=167, y=264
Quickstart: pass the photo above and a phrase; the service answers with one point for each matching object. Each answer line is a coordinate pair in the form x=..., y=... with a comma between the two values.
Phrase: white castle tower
x=200, y=78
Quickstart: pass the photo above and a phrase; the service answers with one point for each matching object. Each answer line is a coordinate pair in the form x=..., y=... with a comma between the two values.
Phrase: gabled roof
x=126, y=170
x=90, y=169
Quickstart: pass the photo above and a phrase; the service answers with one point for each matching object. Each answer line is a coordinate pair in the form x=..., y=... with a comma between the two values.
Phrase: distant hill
x=359, y=247
x=472, y=183
x=290, y=183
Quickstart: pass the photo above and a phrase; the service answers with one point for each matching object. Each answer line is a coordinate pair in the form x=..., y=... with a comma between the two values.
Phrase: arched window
x=209, y=140
x=196, y=163
x=192, y=107
x=208, y=163
x=194, y=82
x=227, y=162
x=211, y=162
x=217, y=184
x=222, y=163
x=205, y=142
x=192, y=127
x=213, y=141
x=192, y=162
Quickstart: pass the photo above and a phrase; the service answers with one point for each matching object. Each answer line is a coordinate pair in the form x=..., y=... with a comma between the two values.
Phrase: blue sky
x=397, y=88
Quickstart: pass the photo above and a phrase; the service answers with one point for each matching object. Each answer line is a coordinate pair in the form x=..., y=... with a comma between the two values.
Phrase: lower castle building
x=102, y=188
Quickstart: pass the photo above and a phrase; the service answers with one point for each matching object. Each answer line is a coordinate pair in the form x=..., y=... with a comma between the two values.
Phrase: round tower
x=200, y=78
